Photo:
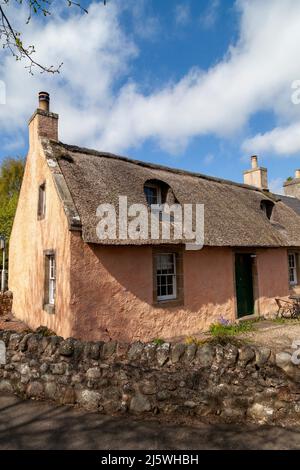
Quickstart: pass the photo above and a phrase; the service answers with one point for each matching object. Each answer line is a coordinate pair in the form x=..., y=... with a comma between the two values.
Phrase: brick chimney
x=257, y=176
x=43, y=123
x=292, y=185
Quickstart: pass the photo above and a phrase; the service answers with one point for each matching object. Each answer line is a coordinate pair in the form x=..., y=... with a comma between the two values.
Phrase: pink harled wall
x=30, y=238
x=272, y=271
x=112, y=292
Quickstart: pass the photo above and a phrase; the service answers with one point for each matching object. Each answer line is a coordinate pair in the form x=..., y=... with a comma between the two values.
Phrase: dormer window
x=153, y=194
x=267, y=207
x=42, y=201
x=159, y=193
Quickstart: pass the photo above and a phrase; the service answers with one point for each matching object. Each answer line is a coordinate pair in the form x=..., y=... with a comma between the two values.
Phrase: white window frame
x=173, y=296
x=158, y=189
x=292, y=269
x=52, y=279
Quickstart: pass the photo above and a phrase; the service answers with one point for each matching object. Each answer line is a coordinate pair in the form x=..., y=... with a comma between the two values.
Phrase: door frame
x=254, y=253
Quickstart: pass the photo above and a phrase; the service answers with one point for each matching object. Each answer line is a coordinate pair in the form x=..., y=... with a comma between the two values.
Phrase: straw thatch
x=233, y=215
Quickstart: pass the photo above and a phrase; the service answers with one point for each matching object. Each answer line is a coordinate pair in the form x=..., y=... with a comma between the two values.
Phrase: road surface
x=34, y=425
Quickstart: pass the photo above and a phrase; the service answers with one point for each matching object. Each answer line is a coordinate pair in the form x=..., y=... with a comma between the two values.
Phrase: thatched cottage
x=63, y=276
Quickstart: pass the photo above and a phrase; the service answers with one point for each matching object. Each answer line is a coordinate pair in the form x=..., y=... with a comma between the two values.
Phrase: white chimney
x=292, y=186
x=257, y=176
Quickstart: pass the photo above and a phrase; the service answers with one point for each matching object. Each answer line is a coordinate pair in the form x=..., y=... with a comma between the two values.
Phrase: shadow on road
x=36, y=425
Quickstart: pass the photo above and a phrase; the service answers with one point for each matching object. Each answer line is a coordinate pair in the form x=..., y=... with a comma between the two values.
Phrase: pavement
x=276, y=336
x=36, y=425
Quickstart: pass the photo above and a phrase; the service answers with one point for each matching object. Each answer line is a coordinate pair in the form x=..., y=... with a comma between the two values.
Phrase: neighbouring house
x=63, y=276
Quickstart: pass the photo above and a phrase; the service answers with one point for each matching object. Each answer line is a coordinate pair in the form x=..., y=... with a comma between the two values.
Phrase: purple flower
x=223, y=321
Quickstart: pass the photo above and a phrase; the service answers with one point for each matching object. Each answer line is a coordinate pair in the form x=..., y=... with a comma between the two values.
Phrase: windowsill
x=40, y=217
x=49, y=308
x=167, y=299
x=168, y=303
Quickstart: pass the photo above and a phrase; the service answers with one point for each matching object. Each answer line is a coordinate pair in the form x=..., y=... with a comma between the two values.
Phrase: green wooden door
x=244, y=284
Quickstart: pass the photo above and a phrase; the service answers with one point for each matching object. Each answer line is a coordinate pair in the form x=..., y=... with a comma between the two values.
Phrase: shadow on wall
x=28, y=289
x=131, y=267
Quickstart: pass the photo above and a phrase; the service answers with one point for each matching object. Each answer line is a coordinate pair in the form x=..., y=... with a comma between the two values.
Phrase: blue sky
x=195, y=84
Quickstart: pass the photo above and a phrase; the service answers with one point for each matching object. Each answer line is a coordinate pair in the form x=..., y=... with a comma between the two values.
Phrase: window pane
x=165, y=264
x=166, y=276
x=151, y=195
x=292, y=261
x=292, y=268
x=51, y=291
x=51, y=279
x=163, y=290
x=170, y=289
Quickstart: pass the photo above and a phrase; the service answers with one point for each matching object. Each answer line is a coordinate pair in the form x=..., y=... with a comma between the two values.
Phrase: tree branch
x=11, y=38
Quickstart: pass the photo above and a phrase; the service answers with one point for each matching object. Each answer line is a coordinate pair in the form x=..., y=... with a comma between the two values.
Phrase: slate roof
x=292, y=202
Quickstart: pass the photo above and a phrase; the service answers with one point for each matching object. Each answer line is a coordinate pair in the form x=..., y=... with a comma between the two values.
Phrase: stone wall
x=218, y=382
x=5, y=303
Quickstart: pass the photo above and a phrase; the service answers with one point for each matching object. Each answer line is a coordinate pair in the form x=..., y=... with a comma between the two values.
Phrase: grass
x=192, y=340
x=158, y=341
x=231, y=329
x=279, y=320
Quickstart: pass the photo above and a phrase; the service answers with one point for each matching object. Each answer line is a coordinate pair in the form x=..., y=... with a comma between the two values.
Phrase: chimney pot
x=44, y=101
x=43, y=123
x=254, y=163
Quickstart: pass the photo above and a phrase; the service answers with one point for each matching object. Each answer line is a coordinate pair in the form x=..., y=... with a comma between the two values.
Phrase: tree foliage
x=11, y=39
x=11, y=174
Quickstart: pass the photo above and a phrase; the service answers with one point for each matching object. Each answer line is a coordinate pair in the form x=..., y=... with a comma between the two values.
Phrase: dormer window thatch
x=267, y=207
x=158, y=192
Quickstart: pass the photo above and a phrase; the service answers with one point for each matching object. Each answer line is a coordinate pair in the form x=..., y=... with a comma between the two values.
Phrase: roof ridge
x=155, y=166
x=233, y=215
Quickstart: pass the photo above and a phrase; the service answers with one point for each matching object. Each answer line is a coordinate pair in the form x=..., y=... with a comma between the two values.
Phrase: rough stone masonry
x=226, y=383
x=5, y=303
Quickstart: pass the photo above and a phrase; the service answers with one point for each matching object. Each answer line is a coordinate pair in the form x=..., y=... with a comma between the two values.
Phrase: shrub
x=230, y=329
x=193, y=340
x=158, y=341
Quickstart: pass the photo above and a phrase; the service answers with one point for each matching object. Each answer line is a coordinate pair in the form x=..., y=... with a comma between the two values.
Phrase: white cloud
x=145, y=23
x=95, y=54
x=182, y=14
x=209, y=17
x=254, y=75
x=276, y=185
x=281, y=140
x=102, y=106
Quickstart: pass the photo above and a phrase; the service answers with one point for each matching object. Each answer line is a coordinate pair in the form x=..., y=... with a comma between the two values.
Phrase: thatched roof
x=233, y=215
